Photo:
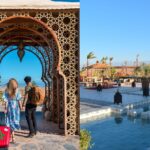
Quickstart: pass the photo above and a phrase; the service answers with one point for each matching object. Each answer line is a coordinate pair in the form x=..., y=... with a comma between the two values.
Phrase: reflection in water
x=118, y=119
x=145, y=121
x=133, y=119
x=146, y=108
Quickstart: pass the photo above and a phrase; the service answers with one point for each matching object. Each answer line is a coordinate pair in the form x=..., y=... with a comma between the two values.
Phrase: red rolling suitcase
x=4, y=135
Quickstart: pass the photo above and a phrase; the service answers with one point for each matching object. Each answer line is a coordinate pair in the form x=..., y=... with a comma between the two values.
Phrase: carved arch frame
x=63, y=25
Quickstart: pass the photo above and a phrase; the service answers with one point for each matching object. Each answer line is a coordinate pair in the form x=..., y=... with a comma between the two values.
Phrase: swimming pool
x=119, y=133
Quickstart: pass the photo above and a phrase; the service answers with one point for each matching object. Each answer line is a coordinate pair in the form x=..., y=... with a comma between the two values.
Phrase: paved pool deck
x=129, y=95
x=90, y=112
x=95, y=105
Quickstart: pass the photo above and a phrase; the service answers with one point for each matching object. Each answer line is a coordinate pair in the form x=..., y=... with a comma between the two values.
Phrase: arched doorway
x=54, y=37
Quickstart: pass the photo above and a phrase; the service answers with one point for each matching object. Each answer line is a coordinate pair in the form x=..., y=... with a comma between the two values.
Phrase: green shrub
x=85, y=140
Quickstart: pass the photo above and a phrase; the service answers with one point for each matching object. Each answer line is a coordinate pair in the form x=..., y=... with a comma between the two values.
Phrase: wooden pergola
x=50, y=30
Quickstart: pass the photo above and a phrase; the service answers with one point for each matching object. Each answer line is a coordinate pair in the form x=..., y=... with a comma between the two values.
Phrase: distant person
x=133, y=84
x=145, y=85
x=30, y=109
x=117, y=98
x=119, y=83
x=99, y=87
x=12, y=99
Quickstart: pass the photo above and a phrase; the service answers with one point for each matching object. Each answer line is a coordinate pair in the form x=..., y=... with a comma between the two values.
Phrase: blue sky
x=118, y=28
x=12, y=67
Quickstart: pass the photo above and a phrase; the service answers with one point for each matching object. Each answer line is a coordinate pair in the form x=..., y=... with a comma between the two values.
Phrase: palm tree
x=89, y=56
x=137, y=60
x=143, y=70
x=138, y=71
x=104, y=60
x=113, y=71
x=146, y=70
x=125, y=63
x=110, y=60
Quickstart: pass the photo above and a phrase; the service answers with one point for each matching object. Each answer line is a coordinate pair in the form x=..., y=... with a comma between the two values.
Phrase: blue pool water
x=119, y=134
x=66, y=0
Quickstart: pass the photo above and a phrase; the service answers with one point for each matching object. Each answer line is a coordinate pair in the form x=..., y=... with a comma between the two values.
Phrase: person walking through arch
x=30, y=109
x=12, y=99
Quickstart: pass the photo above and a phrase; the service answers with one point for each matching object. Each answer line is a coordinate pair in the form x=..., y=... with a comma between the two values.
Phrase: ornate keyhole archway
x=53, y=36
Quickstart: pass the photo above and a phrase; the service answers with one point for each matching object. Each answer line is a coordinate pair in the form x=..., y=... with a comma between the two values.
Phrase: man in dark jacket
x=117, y=97
x=145, y=86
x=133, y=84
x=30, y=109
x=99, y=87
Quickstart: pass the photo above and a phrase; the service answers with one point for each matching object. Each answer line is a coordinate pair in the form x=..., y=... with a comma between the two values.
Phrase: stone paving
x=49, y=137
x=90, y=112
x=43, y=141
x=86, y=107
x=105, y=98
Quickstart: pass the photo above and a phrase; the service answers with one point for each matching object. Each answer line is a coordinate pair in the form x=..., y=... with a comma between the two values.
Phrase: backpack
x=36, y=96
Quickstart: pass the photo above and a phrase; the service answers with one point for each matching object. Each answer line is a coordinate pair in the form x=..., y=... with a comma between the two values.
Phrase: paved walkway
x=49, y=137
x=44, y=142
x=87, y=107
x=90, y=112
x=129, y=94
